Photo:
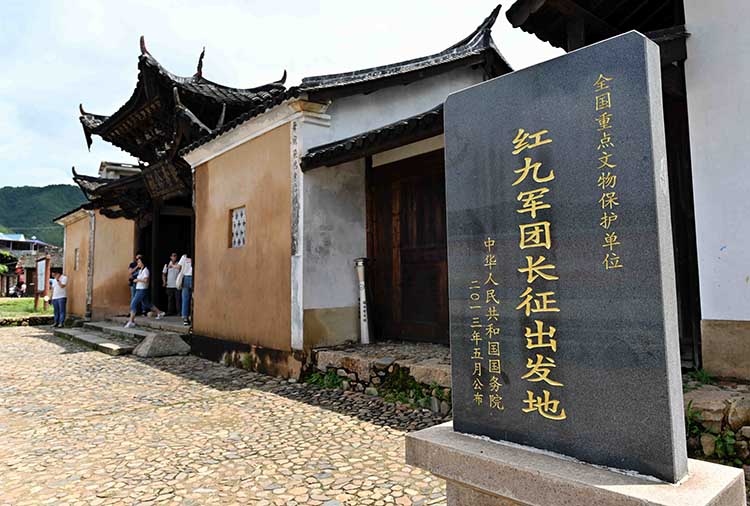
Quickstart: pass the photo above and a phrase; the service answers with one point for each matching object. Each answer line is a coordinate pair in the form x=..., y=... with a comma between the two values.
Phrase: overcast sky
x=57, y=54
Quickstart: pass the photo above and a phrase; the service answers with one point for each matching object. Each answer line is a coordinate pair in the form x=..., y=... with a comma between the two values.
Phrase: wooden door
x=407, y=248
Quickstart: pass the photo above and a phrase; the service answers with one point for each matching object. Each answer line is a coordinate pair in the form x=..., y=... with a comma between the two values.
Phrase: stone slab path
x=81, y=427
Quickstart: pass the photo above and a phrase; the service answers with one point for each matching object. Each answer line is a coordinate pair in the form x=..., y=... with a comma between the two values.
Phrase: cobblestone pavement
x=81, y=427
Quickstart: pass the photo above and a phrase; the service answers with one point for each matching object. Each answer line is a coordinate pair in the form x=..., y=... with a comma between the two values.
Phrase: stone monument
x=563, y=309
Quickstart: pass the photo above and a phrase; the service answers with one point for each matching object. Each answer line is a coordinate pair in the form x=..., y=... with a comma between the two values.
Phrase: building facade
x=286, y=200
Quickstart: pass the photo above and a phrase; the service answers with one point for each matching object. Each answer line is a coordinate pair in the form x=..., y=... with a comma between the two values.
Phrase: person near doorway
x=169, y=281
x=186, y=275
x=59, y=297
x=141, y=294
x=133, y=274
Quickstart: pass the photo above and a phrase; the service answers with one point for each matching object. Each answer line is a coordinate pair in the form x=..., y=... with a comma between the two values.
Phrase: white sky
x=57, y=54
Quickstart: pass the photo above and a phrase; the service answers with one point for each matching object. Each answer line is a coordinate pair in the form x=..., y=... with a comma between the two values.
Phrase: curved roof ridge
x=149, y=59
x=476, y=42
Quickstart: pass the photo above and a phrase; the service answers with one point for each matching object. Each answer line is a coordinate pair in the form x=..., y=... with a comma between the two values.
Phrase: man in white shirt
x=169, y=281
x=59, y=297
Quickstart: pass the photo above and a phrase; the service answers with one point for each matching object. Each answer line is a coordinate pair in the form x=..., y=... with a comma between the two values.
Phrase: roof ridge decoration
x=479, y=42
x=199, y=69
x=144, y=125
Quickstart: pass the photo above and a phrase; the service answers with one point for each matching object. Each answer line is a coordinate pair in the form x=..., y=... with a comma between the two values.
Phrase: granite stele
x=562, y=294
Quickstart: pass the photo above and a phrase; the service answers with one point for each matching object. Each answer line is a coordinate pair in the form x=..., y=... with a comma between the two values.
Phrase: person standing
x=169, y=281
x=132, y=274
x=59, y=297
x=141, y=294
x=186, y=269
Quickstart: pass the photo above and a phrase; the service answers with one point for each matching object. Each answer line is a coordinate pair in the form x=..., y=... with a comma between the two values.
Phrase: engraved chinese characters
x=607, y=180
x=485, y=333
x=535, y=302
x=562, y=298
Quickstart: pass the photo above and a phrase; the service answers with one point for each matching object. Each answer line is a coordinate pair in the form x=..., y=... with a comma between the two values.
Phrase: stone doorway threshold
x=428, y=363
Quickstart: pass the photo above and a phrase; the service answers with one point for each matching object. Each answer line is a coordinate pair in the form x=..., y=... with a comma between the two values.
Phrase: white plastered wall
x=717, y=74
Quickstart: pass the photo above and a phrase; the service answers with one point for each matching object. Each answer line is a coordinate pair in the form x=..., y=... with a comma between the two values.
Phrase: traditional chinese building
x=347, y=165
x=152, y=202
x=704, y=74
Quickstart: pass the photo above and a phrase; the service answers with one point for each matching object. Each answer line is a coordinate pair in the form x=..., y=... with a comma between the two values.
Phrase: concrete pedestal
x=480, y=472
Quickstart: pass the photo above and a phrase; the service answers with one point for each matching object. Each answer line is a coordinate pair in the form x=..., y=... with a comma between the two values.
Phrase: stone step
x=98, y=340
x=169, y=324
x=118, y=330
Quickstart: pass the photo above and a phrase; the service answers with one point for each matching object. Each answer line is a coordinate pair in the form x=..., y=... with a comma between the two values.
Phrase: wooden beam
x=572, y=9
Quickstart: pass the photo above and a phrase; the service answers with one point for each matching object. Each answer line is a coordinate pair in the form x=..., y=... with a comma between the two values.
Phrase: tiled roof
x=478, y=47
x=478, y=44
x=415, y=128
x=144, y=125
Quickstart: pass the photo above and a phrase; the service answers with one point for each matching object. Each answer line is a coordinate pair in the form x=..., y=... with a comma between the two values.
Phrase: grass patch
x=326, y=380
x=402, y=387
x=18, y=308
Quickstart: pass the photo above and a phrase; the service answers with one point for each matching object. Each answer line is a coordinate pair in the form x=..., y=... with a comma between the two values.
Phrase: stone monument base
x=480, y=472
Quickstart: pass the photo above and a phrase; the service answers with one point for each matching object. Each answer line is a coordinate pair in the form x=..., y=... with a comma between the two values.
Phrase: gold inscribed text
x=544, y=405
x=532, y=168
x=535, y=269
x=607, y=220
x=540, y=370
x=535, y=235
x=609, y=200
x=603, y=101
x=536, y=339
x=601, y=83
x=522, y=141
x=532, y=201
x=537, y=302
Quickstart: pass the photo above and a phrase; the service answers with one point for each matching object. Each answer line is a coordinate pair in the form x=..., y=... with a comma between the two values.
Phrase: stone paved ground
x=81, y=427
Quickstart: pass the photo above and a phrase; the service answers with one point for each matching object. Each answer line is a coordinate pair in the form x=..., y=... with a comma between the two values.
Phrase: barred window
x=238, y=227
x=76, y=258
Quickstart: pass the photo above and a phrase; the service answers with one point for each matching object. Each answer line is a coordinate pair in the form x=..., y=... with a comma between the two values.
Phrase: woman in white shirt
x=141, y=295
x=186, y=270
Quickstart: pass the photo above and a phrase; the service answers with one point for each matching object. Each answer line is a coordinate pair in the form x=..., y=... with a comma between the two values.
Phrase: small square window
x=238, y=227
x=76, y=258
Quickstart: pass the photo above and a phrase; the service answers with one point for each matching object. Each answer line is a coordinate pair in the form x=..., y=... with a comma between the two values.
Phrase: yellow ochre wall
x=113, y=251
x=243, y=294
x=77, y=236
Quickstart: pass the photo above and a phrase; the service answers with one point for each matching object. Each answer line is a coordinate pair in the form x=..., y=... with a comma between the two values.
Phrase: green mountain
x=29, y=210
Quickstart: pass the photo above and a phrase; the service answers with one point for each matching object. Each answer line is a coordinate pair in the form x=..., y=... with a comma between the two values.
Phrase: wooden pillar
x=576, y=30
x=155, y=276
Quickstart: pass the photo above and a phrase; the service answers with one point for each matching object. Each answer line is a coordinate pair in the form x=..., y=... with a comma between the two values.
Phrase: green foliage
x=693, y=421
x=401, y=387
x=701, y=376
x=725, y=450
x=29, y=210
x=12, y=308
x=328, y=379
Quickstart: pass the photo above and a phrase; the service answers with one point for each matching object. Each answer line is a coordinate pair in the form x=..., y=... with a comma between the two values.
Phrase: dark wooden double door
x=407, y=248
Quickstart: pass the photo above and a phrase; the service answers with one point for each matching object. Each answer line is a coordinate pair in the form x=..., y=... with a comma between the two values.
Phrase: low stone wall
x=24, y=321
x=418, y=385
x=718, y=424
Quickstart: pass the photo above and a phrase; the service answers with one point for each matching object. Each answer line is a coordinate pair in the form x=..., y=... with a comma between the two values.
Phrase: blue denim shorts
x=140, y=297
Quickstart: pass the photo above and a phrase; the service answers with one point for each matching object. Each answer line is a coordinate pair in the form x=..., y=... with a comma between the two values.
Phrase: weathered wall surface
x=360, y=113
x=717, y=72
x=113, y=251
x=243, y=294
x=335, y=234
x=77, y=237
